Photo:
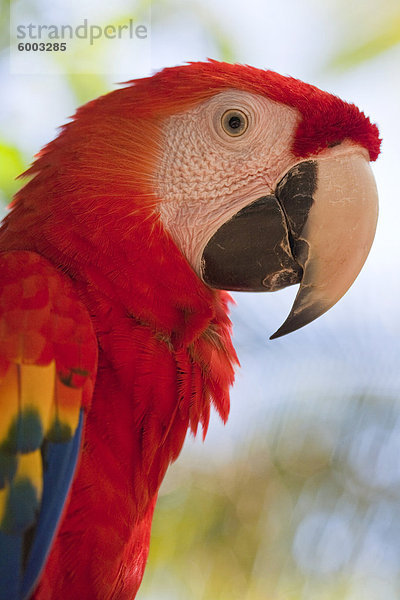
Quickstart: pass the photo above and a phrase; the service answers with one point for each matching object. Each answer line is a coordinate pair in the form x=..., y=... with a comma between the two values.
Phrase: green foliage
x=369, y=30
x=12, y=164
x=4, y=23
x=379, y=42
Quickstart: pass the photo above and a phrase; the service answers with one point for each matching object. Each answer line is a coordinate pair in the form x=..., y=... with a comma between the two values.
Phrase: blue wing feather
x=16, y=579
x=11, y=547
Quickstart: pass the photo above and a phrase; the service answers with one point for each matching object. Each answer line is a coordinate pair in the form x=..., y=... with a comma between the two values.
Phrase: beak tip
x=283, y=330
x=298, y=318
x=276, y=335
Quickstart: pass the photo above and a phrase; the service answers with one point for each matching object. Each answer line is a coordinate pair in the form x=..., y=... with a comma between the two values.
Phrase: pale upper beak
x=316, y=230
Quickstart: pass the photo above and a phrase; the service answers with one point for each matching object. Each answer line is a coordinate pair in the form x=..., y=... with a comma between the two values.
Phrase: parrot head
x=260, y=180
x=266, y=183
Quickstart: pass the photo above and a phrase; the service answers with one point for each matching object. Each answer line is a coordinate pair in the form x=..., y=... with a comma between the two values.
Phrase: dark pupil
x=235, y=122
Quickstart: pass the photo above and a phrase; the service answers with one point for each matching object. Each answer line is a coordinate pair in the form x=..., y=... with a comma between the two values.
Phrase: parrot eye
x=234, y=122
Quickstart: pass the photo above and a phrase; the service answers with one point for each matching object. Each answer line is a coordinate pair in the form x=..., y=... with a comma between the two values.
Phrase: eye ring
x=234, y=122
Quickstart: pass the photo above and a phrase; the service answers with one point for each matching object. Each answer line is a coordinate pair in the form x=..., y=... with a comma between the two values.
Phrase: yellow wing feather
x=37, y=390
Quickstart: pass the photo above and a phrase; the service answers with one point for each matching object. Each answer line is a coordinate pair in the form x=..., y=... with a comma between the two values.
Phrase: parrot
x=117, y=257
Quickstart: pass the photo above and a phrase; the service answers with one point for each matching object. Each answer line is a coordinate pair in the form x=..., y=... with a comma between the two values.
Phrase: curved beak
x=316, y=230
x=336, y=238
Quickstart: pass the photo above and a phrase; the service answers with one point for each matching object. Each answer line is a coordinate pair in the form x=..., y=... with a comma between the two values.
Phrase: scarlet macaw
x=114, y=334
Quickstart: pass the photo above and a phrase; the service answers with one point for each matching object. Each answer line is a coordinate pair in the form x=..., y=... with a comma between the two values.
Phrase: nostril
x=335, y=143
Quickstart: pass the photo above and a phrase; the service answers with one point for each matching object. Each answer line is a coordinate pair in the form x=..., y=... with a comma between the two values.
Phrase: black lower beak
x=255, y=251
x=252, y=251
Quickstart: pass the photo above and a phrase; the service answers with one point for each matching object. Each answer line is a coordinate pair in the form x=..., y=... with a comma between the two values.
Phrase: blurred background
x=298, y=496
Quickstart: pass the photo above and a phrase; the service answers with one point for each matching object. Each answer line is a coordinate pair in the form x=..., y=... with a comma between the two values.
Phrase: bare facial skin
x=206, y=175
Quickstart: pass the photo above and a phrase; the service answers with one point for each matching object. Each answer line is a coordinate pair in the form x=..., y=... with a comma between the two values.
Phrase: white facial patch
x=206, y=175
